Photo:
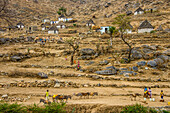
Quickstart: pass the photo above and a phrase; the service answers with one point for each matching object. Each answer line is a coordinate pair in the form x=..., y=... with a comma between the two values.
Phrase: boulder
x=164, y=58
x=105, y=62
x=111, y=67
x=15, y=58
x=136, y=54
x=152, y=63
x=134, y=68
x=141, y=63
x=87, y=51
x=125, y=72
x=159, y=61
x=2, y=40
x=42, y=75
x=106, y=72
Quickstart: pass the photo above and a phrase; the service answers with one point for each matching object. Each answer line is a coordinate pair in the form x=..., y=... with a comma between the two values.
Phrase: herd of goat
x=55, y=98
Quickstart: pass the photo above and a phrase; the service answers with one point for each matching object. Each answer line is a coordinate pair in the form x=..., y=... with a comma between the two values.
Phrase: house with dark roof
x=145, y=26
x=20, y=25
x=61, y=25
x=90, y=23
x=62, y=18
x=139, y=11
x=53, y=30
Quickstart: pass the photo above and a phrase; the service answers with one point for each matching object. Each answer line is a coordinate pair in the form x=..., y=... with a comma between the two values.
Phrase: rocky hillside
x=104, y=10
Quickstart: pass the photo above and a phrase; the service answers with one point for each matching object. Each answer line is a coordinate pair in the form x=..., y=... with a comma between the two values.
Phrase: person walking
x=162, y=96
x=47, y=95
x=150, y=93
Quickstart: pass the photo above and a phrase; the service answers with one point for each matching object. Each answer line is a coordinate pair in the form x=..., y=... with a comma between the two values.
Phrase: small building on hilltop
x=104, y=29
x=145, y=27
x=90, y=23
x=20, y=25
x=62, y=18
x=53, y=30
x=139, y=11
x=61, y=25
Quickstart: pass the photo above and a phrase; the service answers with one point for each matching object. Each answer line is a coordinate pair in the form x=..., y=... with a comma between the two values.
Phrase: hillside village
x=77, y=48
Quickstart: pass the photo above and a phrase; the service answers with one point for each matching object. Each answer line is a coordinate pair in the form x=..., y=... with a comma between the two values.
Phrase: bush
x=135, y=109
x=18, y=108
x=153, y=31
x=12, y=108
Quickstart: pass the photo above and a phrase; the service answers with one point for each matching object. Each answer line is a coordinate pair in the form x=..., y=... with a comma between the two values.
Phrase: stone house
x=139, y=11
x=145, y=26
x=62, y=18
x=20, y=25
x=90, y=23
x=53, y=30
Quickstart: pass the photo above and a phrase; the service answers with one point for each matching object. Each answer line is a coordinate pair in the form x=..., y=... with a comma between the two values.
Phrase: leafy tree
x=112, y=31
x=123, y=23
x=62, y=10
x=75, y=45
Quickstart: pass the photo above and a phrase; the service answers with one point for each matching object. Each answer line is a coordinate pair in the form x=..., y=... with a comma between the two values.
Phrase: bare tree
x=123, y=22
x=75, y=45
x=6, y=12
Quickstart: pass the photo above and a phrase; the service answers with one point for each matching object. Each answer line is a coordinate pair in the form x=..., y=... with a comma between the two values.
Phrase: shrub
x=135, y=109
x=12, y=108
x=18, y=108
x=74, y=25
x=153, y=31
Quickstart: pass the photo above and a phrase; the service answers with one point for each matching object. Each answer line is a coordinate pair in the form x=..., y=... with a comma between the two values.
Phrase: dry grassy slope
x=85, y=10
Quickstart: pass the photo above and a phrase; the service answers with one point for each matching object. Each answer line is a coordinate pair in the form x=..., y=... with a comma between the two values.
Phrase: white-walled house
x=53, y=30
x=61, y=25
x=46, y=20
x=69, y=19
x=104, y=29
x=90, y=23
x=145, y=27
x=20, y=25
x=62, y=18
x=54, y=22
x=139, y=11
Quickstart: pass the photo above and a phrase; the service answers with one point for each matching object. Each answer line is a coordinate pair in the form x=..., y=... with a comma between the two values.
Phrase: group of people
x=149, y=93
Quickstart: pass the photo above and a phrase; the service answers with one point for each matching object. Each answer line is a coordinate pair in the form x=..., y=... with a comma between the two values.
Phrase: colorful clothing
x=161, y=95
x=150, y=94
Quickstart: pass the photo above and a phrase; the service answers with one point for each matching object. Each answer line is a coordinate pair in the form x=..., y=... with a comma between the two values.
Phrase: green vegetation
x=59, y=108
x=62, y=10
x=137, y=109
x=18, y=108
